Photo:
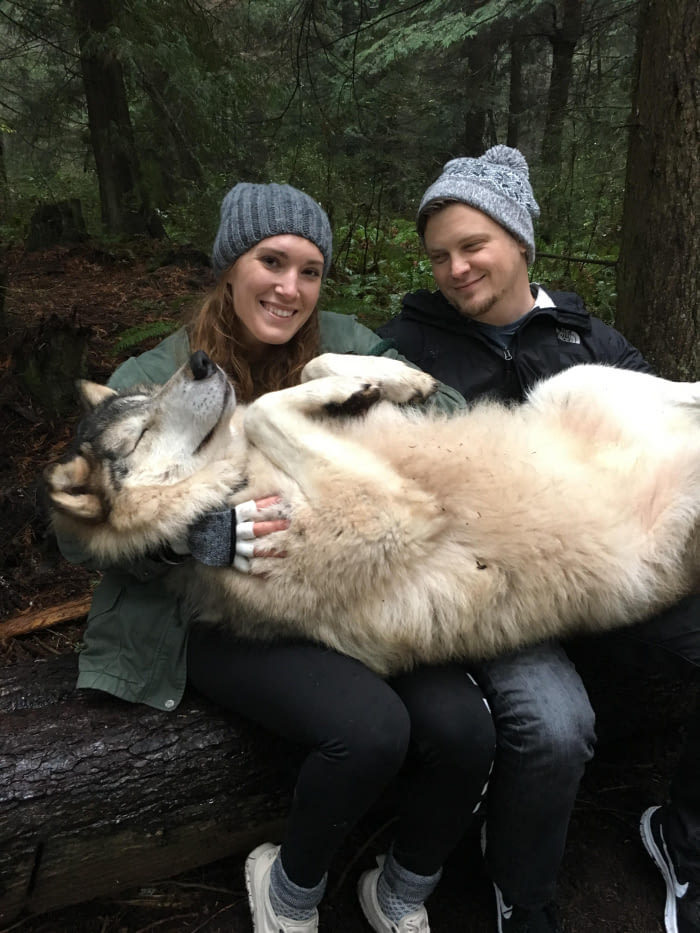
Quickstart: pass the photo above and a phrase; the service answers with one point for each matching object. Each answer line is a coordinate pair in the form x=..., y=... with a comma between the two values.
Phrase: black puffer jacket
x=432, y=334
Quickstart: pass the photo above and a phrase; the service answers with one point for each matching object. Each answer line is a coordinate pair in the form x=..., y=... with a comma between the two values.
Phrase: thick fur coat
x=413, y=537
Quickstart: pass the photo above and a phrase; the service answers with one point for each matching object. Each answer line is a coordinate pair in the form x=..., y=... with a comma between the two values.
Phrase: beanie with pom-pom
x=497, y=183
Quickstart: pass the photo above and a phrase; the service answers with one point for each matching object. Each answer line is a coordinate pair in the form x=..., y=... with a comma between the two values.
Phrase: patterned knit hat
x=251, y=213
x=498, y=184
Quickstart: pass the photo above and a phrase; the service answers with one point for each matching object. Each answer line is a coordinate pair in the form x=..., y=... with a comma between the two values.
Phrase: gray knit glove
x=220, y=539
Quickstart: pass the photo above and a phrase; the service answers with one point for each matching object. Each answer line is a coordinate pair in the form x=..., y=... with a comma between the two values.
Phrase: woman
x=262, y=324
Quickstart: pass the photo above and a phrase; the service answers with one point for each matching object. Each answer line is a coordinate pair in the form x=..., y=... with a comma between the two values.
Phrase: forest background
x=131, y=118
x=122, y=125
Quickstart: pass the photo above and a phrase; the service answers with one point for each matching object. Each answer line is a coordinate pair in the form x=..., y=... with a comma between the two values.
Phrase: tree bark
x=657, y=305
x=478, y=116
x=58, y=222
x=125, y=206
x=97, y=795
x=4, y=186
x=564, y=39
x=155, y=85
x=515, y=103
x=4, y=329
x=49, y=358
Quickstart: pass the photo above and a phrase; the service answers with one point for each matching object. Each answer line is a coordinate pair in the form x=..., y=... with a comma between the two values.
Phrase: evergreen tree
x=658, y=278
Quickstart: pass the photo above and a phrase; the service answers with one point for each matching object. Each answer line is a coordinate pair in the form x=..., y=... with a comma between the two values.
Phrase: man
x=488, y=331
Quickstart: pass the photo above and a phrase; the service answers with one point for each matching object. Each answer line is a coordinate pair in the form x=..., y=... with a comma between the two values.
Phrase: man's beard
x=477, y=309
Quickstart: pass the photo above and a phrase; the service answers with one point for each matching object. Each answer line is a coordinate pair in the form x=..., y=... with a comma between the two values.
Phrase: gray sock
x=290, y=900
x=400, y=891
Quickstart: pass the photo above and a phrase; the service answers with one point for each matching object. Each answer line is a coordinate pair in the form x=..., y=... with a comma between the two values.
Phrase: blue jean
x=545, y=736
x=545, y=727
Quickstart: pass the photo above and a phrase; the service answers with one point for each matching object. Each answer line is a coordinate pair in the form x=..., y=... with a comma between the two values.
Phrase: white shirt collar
x=542, y=299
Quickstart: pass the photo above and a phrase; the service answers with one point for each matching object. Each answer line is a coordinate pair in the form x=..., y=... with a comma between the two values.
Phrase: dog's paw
x=411, y=385
x=397, y=381
x=319, y=367
x=357, y=402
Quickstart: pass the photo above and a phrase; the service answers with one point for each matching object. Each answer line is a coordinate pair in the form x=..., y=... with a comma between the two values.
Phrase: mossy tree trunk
x=4, y=185
x=515, y=101
x=49, y=358
x=564, y=36
x=657, y=306
x=125, y=204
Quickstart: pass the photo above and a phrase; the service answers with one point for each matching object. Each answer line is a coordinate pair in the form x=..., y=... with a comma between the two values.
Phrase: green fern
x=135, y=336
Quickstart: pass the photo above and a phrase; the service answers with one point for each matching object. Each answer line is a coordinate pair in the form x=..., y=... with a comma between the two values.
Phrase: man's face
x=478, y=266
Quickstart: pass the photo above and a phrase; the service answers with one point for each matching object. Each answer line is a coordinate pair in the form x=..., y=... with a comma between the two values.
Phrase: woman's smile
x=277, y=310
x=275, y=288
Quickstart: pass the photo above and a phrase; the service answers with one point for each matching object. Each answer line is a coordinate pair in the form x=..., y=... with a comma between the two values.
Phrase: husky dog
x=414, y=537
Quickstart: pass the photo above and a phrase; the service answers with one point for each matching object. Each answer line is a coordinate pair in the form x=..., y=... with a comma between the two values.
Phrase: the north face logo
x=568, y=336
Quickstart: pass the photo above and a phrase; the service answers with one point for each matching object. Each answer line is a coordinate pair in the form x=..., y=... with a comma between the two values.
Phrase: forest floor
x=607, y=881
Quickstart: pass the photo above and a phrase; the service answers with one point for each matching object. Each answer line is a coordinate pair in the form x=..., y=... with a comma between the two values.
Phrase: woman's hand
x=228, y=537
x=252, y=523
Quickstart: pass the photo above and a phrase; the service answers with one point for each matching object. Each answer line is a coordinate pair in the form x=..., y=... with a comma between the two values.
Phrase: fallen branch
x=31, y=620
x=580, y=259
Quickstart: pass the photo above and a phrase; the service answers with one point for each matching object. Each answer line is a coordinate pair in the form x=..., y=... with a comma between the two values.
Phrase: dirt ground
x=607, y=881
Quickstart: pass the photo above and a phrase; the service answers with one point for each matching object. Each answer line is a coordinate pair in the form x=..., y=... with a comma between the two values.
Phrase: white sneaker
x=257, y=880
x=415, y=922
x=682, y=913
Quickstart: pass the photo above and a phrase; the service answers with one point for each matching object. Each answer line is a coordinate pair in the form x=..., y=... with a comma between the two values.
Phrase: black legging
x=359, y=729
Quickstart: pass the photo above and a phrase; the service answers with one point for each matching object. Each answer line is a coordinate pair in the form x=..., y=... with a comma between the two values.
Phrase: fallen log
x=97, y=795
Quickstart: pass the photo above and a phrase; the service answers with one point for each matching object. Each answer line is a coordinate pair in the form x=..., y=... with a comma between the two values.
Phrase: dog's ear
x=66, y=484
x=91, y=393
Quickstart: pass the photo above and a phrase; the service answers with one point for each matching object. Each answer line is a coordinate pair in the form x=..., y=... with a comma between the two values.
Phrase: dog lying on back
x=413, y=537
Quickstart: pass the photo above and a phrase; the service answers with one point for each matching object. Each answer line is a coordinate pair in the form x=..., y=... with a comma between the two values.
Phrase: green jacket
x=135, y=643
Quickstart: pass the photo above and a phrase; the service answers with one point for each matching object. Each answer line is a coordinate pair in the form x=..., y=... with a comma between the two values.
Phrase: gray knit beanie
x=251, y=213
x=498, y=184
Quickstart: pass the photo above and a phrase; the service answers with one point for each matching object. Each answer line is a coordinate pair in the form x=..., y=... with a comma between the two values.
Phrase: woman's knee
x=376, y=743
x=451, y=722
x=465, y=736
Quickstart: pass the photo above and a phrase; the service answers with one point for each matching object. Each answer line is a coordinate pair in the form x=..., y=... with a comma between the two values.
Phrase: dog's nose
x=201, y=366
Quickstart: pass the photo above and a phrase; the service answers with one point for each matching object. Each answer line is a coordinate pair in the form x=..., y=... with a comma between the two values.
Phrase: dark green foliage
x=135, y=337
x=359, y=103
x=374, y=268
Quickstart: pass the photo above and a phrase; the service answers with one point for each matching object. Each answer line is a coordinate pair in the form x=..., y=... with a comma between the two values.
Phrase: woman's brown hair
x=217, y=330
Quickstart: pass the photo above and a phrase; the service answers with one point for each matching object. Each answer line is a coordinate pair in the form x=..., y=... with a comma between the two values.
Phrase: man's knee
x=558, y=729
x=668, y=643
x=541, y=708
